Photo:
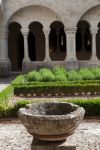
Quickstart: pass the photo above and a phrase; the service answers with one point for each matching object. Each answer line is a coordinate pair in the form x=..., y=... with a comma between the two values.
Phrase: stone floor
x=13, y=136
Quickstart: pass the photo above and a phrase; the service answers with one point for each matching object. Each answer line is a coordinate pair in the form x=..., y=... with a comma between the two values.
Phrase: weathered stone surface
x=40, y=145
x=4, y=69
x=51, y=121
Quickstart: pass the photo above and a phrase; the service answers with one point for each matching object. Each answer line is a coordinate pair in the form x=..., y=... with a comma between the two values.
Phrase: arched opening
x=36, y=42
x=57, y=41
x=83, y=41
x=98, y=42
x=15, y=46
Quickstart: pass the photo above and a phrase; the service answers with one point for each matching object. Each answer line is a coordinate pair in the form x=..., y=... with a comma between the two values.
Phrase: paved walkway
x=5, y=82
x=13, y=136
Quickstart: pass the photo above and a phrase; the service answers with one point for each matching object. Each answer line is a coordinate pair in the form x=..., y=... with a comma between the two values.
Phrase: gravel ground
x=13, y=136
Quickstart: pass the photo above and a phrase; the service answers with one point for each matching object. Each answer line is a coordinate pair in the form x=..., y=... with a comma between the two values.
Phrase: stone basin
x=53, y=121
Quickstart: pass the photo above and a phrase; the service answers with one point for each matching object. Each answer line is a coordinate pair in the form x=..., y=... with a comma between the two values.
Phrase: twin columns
x=70, y=40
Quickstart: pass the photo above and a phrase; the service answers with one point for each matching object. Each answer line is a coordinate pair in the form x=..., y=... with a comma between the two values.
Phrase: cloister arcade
x=32, y=41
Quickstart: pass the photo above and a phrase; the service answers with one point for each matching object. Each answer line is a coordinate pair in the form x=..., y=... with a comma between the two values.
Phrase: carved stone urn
x=51, y=121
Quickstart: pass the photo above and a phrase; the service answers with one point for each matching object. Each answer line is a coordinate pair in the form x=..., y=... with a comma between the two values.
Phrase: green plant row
x=58, y=74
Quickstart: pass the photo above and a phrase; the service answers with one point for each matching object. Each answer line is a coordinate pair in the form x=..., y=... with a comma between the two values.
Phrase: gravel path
x=13, y=136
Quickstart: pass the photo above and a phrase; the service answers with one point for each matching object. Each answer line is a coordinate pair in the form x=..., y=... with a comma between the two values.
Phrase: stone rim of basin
x=51, y=127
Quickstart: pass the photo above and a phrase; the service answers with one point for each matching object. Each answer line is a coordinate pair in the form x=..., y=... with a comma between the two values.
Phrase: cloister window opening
x=98, y=42
x=15, y=46
x=83, y=41
x=57, y=41
x=36, y=42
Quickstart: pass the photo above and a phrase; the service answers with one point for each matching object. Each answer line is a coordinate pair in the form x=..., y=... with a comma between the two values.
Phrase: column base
x=93, y=59
x=72, y=64
x=40, y=145
x=5, y=68
x=47, y=60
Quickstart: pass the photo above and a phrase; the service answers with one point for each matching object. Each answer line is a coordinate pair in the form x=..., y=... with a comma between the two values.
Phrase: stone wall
x=69, y=11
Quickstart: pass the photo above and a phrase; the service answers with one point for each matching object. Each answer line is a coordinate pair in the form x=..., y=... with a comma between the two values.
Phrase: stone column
x=71, y=44
x=94, y=33
x=47, y=52
x=25, y=33
x=5, y=66
x=70, y=59
x=4, y=45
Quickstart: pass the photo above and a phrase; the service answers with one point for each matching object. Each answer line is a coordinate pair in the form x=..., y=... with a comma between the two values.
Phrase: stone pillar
x=93, y=33
x=71, y=48
x=5, y=66
x=47, y=52
x=25, y=33
x=4, y=45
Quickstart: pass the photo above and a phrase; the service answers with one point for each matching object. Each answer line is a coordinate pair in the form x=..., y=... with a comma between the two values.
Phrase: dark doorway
x=15, y=46
x=36, y=42
x=31, y=46
x=98, y=42
x=83, y=41
x=57, y=41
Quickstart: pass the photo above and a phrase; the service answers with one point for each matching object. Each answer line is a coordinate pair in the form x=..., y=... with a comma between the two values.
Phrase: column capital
x=70, y=32
x=94, y=30
x=46, y=32
x=25, y=31
x=4, y=33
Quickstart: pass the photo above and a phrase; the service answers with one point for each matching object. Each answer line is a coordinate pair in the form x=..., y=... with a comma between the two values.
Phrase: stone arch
x=85, y=9
x=34, y=13
x=57, y=41
x=92, y=15
x=36, y=41
x=15, y=46
x=83, y=41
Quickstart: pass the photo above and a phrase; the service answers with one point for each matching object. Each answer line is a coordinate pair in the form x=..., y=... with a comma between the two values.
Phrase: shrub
x=87, y=74
x=91, y=106
x=74, y=76
x=21, y=79
x=60, y=74
x=96, y=73
x=47, y=75
x=60, y=77
x=59, y=70
x=34, y=76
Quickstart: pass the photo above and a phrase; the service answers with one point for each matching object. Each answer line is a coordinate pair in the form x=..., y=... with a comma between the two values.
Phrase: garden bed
x=58, y=82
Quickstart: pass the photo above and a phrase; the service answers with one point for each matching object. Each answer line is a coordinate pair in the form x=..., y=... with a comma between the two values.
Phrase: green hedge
x=91, y=106
x=57, y=88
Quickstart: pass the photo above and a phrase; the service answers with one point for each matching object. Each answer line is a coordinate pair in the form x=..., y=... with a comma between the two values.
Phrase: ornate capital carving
x=25, y=31
x=71, y=32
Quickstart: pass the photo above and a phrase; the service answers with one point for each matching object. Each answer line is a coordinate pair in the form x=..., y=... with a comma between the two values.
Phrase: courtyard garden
x=81, y=87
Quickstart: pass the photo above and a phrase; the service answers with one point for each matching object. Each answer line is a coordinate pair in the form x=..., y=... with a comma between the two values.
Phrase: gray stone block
x=5, y=69
x=40, y=145
x=73, y=64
